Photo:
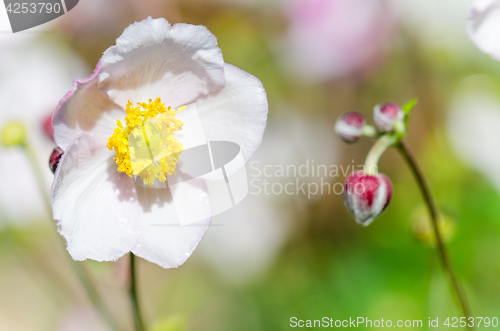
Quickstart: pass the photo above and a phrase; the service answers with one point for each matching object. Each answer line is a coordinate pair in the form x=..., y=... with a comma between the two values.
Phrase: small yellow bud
x=423, y=229
x=13, y=134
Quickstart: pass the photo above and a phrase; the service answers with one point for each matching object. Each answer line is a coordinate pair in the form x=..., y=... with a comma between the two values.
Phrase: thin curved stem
x=42, y=185
x=376, y=152
x=405, y=151
x=80, y=272
x=139, y=325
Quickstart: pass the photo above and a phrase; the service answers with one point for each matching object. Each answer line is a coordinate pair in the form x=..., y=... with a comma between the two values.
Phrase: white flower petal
x=162, y=240
x=484, y=27
x=153, y=59
x=95, y=204
x=237, y=113
x=85, y=109
x=192, y=134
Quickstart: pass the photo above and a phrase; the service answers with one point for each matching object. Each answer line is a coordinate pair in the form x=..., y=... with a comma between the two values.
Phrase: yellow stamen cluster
x=146, y=145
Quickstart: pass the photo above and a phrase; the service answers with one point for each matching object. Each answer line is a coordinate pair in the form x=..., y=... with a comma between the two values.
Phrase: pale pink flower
x=108, y=17
x=103, y=213
x=328, y=39
x=484, y=25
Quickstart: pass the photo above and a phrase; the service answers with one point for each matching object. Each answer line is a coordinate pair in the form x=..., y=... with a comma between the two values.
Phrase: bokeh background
x=277, y=256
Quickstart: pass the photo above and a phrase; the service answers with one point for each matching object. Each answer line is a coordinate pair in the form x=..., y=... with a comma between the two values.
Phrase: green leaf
x=407, y=107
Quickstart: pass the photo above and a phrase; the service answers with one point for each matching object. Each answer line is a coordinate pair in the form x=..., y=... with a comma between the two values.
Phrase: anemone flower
x=155, y=72
x=32, y=77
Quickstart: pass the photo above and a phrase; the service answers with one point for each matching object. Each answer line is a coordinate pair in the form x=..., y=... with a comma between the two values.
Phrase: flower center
x=146, y=146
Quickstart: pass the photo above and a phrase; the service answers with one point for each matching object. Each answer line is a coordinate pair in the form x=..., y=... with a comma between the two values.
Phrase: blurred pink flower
x=328, y=39
x=484, y=26
x=47, y=126
x=102, y=213
x=109, y=17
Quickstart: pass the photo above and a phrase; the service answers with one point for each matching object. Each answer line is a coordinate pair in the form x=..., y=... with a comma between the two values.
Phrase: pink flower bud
x=386, y=114
x=47, y=126
x=367, y=196
x=349, y=126
x=56, y=155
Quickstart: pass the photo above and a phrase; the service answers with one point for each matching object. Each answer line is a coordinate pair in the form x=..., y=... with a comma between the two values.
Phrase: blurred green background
x=279, y=256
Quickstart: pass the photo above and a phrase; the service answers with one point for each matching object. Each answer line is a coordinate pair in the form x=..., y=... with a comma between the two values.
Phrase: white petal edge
x=153, y=59
x=481, y=5
x=85, y=109
x=237, y=113
x=95, y=205
x=162, y=240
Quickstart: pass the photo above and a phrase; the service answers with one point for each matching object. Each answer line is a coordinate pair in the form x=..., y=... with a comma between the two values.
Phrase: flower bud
x=385, y=116
x=47, y=127
x=367, y=196
x=349, y=126
x=13, y=134
x=56, y=155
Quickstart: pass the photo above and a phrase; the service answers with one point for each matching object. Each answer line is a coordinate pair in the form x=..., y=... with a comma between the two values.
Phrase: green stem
x=370, y=167
x=370, y=131
x=405, y=151
x=139, y=325
x=42, y=184
x=82, y=275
